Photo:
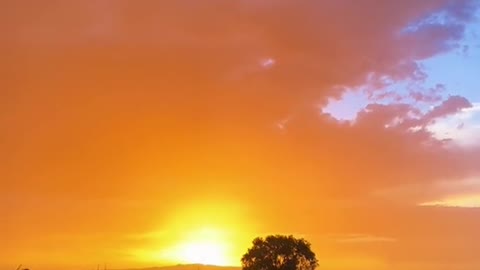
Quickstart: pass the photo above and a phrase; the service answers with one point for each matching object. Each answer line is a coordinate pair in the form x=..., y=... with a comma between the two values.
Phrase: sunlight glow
x=209, y=252
x=209, y=234
x=204, y=246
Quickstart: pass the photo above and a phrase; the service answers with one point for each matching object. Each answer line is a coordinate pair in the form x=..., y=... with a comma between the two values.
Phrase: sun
x=209, y=246
x=208, y=253
x=208, y=234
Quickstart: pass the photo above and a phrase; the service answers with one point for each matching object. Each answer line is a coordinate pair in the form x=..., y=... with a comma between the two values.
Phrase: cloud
x=174, y=73
x=465, y=201
x=432, y=95
x=452, y=105
x=364, y=238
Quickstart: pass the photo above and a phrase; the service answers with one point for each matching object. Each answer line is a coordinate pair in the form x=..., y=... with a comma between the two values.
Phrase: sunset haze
x=156, y=133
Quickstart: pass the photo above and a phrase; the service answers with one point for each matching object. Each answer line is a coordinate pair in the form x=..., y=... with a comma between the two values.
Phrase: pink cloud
x=450, y=106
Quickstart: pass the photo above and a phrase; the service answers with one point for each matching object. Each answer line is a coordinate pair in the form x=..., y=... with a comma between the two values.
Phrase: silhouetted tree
x=279, y=252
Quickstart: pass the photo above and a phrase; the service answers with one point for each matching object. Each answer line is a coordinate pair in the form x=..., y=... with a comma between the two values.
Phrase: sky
x=141, y=133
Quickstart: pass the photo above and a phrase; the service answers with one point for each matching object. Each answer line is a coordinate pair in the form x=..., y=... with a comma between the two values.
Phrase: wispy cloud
x=463, y=201
x=363, y=238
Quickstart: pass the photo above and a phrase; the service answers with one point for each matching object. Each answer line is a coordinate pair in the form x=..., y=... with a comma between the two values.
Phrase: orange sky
x=129, y=128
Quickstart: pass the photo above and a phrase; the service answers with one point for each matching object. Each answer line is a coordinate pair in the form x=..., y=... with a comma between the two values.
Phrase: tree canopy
x=279, y=252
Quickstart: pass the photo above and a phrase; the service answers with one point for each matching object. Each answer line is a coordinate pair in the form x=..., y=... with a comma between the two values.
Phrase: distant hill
x=189, y=267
